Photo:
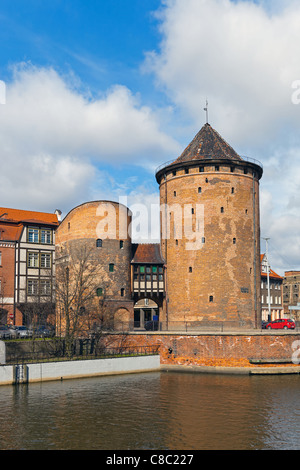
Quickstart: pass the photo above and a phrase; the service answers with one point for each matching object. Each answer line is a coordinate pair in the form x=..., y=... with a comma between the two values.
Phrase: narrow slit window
x=190, y=269
x=211, y=298
x=234, y=241
x=222, y=210
x=199, y=190
x=111, y=268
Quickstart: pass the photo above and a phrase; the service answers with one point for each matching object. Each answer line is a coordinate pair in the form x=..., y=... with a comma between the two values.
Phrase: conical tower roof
x=208, y=144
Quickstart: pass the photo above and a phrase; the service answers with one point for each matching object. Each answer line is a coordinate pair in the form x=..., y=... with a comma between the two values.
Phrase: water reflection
x=153, y=411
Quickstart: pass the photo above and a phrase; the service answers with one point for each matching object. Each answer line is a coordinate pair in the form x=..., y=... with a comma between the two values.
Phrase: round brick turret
x=210, y=234
x=101, y=230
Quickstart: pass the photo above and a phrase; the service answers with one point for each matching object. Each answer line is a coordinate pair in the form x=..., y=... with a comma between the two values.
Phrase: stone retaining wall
x=222, y=349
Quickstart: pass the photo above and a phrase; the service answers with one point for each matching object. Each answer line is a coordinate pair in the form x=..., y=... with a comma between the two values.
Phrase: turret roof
x=208, y=144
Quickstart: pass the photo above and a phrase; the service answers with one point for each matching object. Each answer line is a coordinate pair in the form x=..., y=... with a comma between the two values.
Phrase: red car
x=284, y=323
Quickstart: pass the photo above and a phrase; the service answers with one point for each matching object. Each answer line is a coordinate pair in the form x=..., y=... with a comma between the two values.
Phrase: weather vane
x=206, y=109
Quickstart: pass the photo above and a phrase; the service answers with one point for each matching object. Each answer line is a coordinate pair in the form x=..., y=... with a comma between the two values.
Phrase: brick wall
x=7, y=280
x=216, y=279
x=213, y=349
x=80, y=230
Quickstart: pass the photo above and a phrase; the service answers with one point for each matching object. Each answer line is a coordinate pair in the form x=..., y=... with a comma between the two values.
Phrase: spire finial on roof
x=206, y=109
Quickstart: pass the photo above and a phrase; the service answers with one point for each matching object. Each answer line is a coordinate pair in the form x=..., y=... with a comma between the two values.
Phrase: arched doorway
x=121, y=319
x=145, y=311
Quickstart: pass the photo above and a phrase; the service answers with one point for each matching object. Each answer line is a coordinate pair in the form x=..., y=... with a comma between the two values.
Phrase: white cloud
x=53, y=135
x=243, y=56
x=238, y=55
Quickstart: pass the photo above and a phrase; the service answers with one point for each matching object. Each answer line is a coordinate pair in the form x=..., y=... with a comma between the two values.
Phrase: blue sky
x=102, y=41
x=99, y=93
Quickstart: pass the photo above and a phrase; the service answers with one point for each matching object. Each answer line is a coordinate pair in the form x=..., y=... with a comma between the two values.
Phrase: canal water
x=154, y=411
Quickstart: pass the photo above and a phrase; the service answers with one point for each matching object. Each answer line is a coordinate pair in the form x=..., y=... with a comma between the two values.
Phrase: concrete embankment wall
x=40, y=372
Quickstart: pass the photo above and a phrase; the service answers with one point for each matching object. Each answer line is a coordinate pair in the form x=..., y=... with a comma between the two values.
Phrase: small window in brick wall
x=121, y=244
x=122, y=292
x=99, y=243
x=190, y=269
x=211, y=298
x=99, y=291
x=111, y=268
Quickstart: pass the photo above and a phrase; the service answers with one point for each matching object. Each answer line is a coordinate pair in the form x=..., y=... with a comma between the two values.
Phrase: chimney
x=58, y=213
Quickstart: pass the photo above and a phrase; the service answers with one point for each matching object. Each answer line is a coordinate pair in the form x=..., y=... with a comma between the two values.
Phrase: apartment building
x=276, y=292
x=27, y=266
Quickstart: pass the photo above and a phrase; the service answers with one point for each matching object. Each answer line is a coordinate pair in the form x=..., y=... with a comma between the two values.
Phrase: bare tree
x=77, y=278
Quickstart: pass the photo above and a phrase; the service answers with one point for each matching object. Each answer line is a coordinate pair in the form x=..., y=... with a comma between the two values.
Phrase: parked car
x=284, y=323
x=23, y=332
x=43, y=332
x=264, y=324
x=4, y=332
x=13, y=330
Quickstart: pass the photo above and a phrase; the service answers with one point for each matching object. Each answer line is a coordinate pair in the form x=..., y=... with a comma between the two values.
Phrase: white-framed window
x=46, y=236
x=33, y=235
x=45, y=287
x=33, y=260
x=45, y=260
x=32, y=286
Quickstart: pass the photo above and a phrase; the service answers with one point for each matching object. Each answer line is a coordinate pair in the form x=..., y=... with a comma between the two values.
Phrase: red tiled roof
x=24, y=216
x=272, y=273
x=10, y=232
x=147, y=253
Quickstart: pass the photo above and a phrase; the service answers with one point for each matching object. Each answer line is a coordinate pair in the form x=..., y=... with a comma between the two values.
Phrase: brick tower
x=210, y=234
x=99, y=232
